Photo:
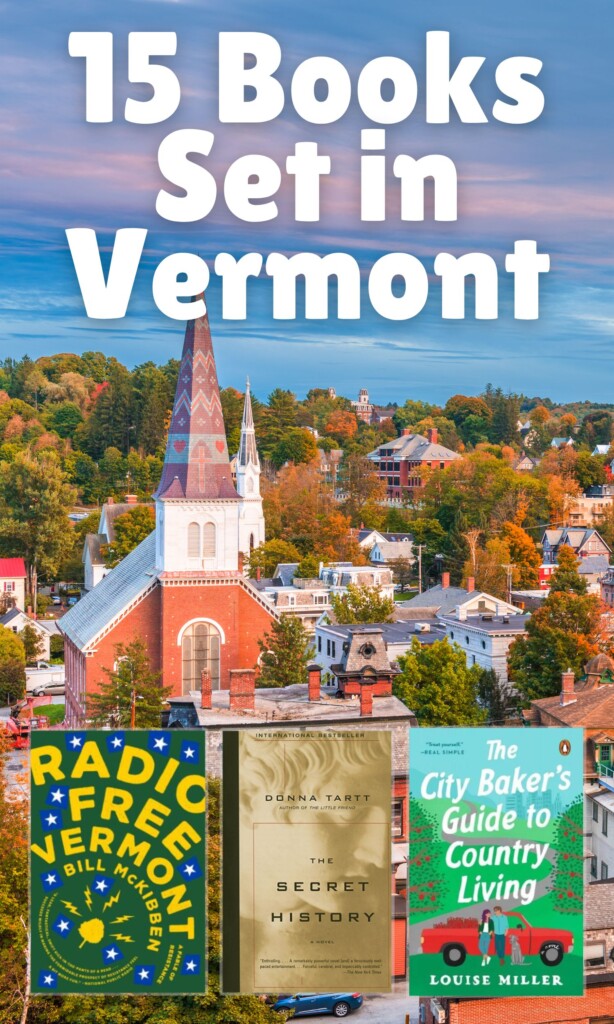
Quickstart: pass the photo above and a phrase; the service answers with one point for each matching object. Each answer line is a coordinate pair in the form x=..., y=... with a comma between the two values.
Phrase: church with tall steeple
x=183, y=589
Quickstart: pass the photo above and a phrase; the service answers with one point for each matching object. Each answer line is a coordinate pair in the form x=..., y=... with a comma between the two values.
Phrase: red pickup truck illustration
x=458, y=937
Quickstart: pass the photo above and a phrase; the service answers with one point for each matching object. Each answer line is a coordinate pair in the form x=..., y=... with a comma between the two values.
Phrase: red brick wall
x=597, y=1003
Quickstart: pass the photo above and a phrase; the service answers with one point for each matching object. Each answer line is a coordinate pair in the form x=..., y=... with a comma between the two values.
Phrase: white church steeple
x=251, y=524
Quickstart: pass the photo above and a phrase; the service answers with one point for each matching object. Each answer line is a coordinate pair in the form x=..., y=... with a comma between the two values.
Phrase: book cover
x=306, y=861
x=496, y=862
x=118, y=862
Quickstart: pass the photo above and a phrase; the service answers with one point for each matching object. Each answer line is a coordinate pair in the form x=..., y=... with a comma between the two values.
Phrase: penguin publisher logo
x=565, y=747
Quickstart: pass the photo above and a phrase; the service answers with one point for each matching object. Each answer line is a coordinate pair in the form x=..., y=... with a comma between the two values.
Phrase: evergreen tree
x=286, y=651
x=130, y=687
x=566, y=579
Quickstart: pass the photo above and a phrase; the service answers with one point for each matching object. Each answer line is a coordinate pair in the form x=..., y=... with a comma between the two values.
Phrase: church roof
x=247, y=448
x=196, y=463
x=98, y=609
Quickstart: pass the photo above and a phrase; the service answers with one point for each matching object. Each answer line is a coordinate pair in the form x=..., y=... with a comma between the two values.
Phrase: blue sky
x=550, y=180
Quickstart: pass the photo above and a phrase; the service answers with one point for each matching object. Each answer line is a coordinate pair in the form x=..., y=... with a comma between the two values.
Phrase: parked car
x=458, y=937
x=49, y=689
x=56, y=599
x=339, y=1003
x=41, y=679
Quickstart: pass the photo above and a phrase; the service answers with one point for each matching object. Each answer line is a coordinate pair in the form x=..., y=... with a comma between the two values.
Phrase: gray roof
x=402, y=632
x=444, y=599
x=490, y=623
x=93, y=543
x=395, y=548
x=593, y=564
x=285, y=572
x=114, y=509
x=415, y=447
x=10, y=615
x=124, y=584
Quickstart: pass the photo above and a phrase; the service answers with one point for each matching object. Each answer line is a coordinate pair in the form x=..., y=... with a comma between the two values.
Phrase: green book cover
x=118, y=862
x=496, y=862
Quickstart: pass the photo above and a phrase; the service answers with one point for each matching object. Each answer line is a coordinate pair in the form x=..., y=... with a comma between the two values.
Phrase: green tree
x=436, y=684
x=403, y=571
x=308, y=568
x=132, y=681
x=131, y=528
x=564, y=633
x=109, y=423
x=296, y=445
x=566, y=579
x=589, y=470
x=64, y=418
x=264, y=559
x=34, y=500
x=12, y=664
x=32, y=643
x=496, y=698
x=286, y=651
x=362, y=604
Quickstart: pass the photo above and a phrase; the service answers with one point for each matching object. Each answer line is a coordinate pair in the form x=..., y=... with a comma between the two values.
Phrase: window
x=200, y=651
x=595, y=811
x=193, y=540
x=251, y=542
x=606, y=753
x=328, y=648
x=451, y=634
x=604, y=871
x=593, y=867
x=604, y=821
x=483, y=645
x=9, y=587
x=473, y=659
x=319, y=645
x=209, y=540
x=466, y=639
x=333, y=648
x=594, y=954
x=397, y=817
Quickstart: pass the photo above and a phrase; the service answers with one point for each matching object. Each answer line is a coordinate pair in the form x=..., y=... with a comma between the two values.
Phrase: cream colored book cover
x=307, y=877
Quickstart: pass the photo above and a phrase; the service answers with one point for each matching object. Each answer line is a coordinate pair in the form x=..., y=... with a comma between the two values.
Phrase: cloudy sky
x=550, y=180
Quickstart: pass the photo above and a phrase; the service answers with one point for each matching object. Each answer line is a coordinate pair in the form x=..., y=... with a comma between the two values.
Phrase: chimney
x=242, y=689
x=470, y=584
x=110, y=501
x=30, y=613
x=568, y=694
x=432, y=435
x=445, y=580
x=258, y=573
x=240, y=562
x=205, y=690
x=132, y=499
x=366, y=701
x=314, y=681
x=405, y=432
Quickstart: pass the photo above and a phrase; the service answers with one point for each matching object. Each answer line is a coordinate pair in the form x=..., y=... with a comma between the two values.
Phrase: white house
x=331, y=637
x=16, y=620
x=385, y=551
x=13, y=581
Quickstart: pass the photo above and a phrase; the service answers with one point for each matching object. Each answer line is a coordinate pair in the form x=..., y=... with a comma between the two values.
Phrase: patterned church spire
x=247, y=447
x=196, y=463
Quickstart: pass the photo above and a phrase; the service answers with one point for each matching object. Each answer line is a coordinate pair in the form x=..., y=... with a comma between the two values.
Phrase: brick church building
x=182, y=590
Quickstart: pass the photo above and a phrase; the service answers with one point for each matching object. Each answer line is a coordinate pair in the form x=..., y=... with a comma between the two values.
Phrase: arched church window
x=209, y=540
x=200, y=650
x=251, y=542
x=193, y=540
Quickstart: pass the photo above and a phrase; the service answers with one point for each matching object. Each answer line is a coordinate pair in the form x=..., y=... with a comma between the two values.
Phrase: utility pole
x=132, y=709
x=421, y=548
x=508, y=574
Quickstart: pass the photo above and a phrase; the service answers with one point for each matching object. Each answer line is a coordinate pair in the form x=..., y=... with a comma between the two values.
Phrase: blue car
x=339, y=1003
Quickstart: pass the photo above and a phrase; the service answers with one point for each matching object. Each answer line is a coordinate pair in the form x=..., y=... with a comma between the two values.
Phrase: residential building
x=592, y=507
x=182, y=590
x=94, y=567
x=332, y=638
x=601, y=449
x=525, y=463
x=330, y=463
x=367, y=538
x=606, y=586
x=385, y=551
x=16, y=620
x=13, y=582
x=402, y=463
x=583, y=542
x=561, y=442
x=485, y=637
x=311, y=598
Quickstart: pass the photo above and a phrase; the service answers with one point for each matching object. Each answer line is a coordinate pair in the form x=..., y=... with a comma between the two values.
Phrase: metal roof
x=97, y=609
